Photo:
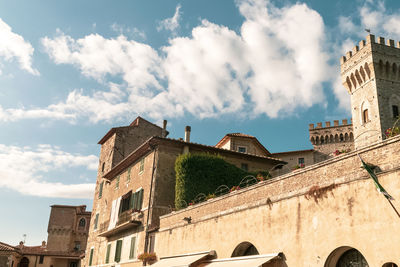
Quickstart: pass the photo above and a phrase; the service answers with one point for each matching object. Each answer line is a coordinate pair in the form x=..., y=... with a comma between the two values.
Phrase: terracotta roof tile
x=6, y=247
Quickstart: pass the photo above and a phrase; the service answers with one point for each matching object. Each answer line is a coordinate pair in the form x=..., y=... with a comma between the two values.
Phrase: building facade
x=324, y=212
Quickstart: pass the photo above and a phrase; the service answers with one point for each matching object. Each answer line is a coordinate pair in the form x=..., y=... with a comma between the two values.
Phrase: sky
x=71, y=70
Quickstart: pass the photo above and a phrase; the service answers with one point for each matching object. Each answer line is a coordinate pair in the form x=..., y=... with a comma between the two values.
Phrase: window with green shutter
x=128, y=177
x=96, y=220
x=132, y=251
x=137, y=200
x=91, y=257
x=117, y=182
x=101, y=189
x=118, y=250
x=108, y=253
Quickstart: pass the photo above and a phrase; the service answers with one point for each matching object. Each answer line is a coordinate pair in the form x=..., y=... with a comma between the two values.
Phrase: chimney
x=43, y=244
x=164, y=130
x=187, y=133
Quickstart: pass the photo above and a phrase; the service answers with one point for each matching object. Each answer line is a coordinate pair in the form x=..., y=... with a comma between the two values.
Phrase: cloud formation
x=13, y=46
x=268, y=67
x=171, y=24
x=23, y=168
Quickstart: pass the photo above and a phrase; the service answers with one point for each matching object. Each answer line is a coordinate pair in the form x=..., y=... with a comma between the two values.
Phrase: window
x=125, y=202
x=132, y=250
x=41, y=258
x=102, y=166
x=301, y=161
x=108, y=253
x=141, y=167
x=395, y=110
x=101, y=189
x=128, y=177
x=152, y=242
x=73, y=264
x=118, y=250
x=365, y=116
x=77, y=246
x=82, y=223
x=242, y=149
x=117, y=182
x=96, y=220
x=137, y=200
x=244, y=166
x=91, y=256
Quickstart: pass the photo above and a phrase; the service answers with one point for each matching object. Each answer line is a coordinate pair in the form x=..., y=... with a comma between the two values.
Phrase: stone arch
x=331, y=139
x=367, y=70
x=389, y=264
x=245, y=249
x=336, y=138
x=317, y=140
x=358, y=77
x=24, y=262
x=348, y=83
x=343, y=256
x=394, y=69
x=326, y=139
x=353, y=80
x=346, y=137
x=312, y=140
x=322, y=140
x=351, y=137
x=380, y=67
x=341, y=138
x=387, y=69
x=362, y=72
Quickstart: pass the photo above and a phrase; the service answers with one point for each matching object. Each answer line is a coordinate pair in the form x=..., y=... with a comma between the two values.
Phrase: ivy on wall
x=203, y=173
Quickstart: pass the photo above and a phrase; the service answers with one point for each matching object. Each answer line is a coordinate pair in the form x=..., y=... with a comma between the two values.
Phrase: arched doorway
x=389, y=264
x=245, y=249
x=24, y=262
x=346, y=257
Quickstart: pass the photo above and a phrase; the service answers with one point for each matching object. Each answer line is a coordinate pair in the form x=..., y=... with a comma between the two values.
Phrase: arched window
x=346, y=257
x=352, y=257
x=389, y=264
x=395, y=111
x=245, y=249
x=82, y=223
x=341, y=137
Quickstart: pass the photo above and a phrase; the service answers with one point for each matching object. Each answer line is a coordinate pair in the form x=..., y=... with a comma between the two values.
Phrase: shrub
x=203, y=173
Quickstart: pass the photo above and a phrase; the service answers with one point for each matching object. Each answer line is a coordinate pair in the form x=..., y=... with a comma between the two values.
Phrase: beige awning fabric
x=247, y=261
x=185, y=260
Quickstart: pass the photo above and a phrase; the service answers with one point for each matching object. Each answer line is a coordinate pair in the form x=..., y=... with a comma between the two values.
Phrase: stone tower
x=371, y=75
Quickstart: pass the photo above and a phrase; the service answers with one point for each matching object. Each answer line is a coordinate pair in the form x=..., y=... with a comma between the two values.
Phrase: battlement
x=369, y=41
x=328, y=124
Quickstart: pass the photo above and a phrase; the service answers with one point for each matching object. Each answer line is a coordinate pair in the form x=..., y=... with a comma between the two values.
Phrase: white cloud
x=13, y=46
x=269, y=67
x=23, y=169
x=171, y=24
x=133, y=32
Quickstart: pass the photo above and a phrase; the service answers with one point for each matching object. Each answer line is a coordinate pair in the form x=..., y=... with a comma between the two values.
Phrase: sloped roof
x=228, y=136
x=6, y=247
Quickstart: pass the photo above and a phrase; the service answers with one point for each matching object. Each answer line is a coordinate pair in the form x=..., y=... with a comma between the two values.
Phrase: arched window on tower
x=82, y=223
x=395, y=111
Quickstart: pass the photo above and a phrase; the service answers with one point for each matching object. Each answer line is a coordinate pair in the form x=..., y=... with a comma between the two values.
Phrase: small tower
x=371, y=75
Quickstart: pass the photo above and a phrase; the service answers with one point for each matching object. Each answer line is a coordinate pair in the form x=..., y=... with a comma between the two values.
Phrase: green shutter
x=133, y=250
x=91, y=257
x=108, y=253
x=101, y=189
x=118, y=249
x=140, y=199
x=134, y=200
x=96, y=220
x=117, y=182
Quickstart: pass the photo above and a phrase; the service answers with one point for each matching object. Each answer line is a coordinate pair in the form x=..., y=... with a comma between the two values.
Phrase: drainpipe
x=146, y=239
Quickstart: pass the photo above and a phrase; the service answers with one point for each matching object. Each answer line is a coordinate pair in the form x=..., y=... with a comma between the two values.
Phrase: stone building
x=326, y=213
x=66, y=241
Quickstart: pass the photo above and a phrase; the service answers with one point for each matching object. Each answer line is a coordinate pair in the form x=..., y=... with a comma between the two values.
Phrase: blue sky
x=70, y=70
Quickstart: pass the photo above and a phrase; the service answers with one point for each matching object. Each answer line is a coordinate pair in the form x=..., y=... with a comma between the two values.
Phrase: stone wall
x=280, y=215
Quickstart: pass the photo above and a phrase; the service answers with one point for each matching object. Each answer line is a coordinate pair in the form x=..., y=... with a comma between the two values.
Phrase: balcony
x=126, y=220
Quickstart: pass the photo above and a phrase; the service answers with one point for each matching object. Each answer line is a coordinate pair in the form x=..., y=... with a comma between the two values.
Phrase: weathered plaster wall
x=277, y=216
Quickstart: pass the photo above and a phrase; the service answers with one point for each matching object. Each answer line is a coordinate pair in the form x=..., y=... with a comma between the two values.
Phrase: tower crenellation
x=371, y=75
